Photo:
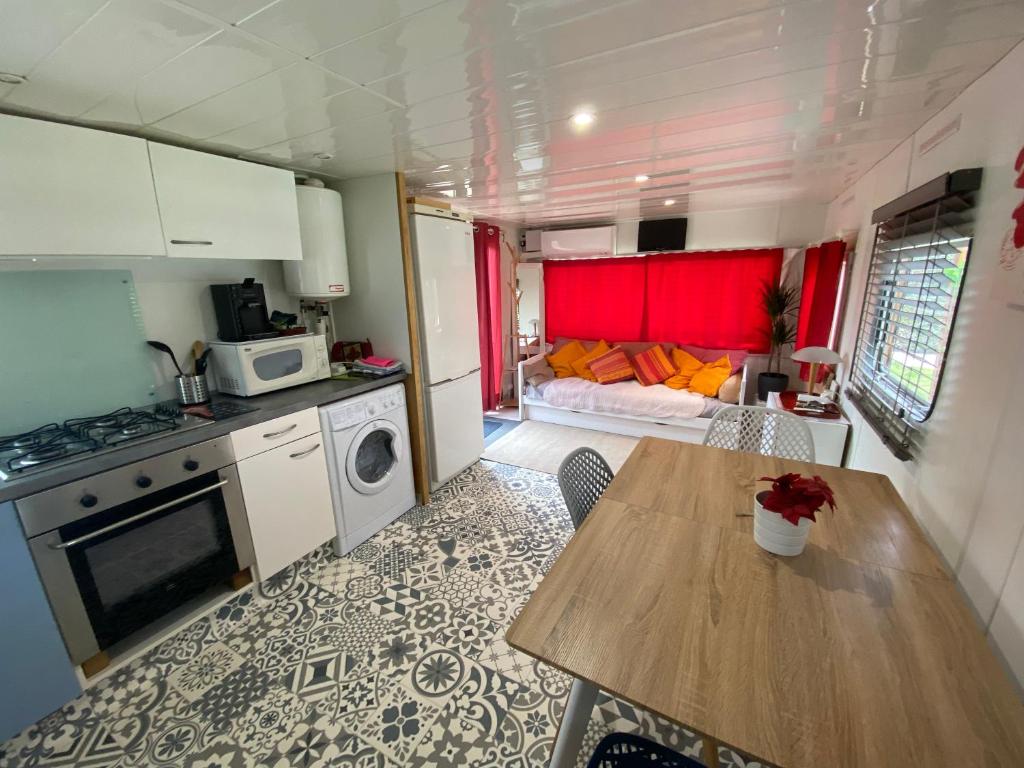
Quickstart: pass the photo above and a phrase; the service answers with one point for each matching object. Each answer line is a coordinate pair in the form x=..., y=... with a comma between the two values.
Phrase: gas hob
x=57, y=444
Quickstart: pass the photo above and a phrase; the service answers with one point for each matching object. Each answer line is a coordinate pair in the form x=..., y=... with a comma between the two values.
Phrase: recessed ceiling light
x=12, y=79
x=642, y=178
x=582, y=119
x=670, y=202
x=323, y=156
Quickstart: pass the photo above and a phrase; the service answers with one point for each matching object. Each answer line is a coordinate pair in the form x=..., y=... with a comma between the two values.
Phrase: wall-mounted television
x=661, y=235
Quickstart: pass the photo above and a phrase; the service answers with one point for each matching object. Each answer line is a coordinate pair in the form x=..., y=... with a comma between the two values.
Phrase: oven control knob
x=88, y=500
x=143, y=482
x=191, y=465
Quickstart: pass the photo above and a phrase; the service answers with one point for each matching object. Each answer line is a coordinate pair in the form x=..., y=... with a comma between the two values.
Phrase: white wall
x=967, y=487
x=789, y=225
x=376, y=309
x=174, y=295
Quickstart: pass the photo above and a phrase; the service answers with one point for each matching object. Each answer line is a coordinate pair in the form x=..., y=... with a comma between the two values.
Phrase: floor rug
x=490, y=425
x=541, y=446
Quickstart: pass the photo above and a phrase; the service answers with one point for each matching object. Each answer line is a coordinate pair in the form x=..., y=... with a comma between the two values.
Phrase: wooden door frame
x=415, y=400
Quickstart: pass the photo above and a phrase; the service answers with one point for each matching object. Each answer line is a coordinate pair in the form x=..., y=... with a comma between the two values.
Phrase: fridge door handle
x=450, y=379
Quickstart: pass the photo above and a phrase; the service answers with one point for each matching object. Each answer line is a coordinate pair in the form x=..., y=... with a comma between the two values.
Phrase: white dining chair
x=754, y=429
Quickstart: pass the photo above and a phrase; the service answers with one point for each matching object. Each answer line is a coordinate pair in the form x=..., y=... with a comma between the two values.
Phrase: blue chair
x=625, y=750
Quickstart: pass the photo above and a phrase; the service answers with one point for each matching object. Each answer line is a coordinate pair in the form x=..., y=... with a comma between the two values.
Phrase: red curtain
x=710, y=299
x=823, y=265
x=487, y=247
x=595, y=299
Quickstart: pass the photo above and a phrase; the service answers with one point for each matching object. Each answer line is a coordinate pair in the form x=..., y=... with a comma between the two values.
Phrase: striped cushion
x=611, y=367
x=652, y=366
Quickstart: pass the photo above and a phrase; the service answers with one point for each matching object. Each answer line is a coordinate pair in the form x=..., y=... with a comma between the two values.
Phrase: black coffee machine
x=241, y=310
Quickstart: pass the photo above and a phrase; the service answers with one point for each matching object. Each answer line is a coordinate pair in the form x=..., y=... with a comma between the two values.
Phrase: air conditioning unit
x=578, y=243
x=529, y=241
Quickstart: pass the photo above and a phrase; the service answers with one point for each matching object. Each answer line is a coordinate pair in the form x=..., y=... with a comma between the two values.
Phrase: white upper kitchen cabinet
x=214, y=207
x=71, y=191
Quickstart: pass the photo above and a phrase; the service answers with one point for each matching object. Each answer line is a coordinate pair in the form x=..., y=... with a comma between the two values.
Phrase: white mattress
x=627, y=398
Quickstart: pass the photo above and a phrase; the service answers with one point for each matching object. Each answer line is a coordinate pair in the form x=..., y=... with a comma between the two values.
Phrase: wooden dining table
x=859, y=652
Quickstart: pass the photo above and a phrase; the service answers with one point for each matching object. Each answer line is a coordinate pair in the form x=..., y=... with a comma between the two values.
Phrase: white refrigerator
x=446, y=282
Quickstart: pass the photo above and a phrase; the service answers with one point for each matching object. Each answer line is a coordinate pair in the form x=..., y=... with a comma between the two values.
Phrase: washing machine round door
x=375, y=452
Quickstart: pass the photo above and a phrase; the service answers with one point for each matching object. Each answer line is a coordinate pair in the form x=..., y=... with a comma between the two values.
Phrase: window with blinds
x=922, y=245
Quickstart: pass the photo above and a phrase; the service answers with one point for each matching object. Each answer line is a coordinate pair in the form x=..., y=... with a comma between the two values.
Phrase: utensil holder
x=192, y=389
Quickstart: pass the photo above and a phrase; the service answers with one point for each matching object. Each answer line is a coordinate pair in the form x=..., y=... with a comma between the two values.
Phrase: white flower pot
x=776, y=534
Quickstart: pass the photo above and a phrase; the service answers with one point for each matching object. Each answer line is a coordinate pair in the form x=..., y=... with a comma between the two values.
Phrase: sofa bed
x=630, y=406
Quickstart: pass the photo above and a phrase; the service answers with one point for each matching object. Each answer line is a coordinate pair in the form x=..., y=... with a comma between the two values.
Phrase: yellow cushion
x=711, y=377
x=581, y=365
x=686, y=365
x=562, y=360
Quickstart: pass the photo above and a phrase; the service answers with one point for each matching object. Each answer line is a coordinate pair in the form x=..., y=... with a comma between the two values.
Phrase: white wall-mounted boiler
x=323, y=272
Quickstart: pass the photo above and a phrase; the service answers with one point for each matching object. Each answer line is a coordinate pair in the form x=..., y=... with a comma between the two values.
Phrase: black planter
x=771, y=382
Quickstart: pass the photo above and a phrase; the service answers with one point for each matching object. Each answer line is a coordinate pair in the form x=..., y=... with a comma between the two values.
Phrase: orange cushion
x=709, y=379
x=562, y=360
x=686, y=365
x=581, y=366
x=611, y=367
x=652, y=366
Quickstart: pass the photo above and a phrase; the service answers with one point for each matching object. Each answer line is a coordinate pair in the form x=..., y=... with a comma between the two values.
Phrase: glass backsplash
x=72, y=343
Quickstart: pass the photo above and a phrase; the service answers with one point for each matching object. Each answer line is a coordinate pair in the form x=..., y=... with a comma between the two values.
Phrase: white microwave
x=248, y=368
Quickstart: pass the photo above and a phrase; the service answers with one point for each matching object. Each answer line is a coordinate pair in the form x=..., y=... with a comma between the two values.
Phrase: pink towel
x=380, y=362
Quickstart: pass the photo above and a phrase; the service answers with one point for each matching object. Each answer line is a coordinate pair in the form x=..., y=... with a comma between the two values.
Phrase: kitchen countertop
x=270, y=406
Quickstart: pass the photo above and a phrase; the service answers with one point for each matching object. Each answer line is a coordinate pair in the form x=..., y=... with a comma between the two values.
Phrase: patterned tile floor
x=391, y=656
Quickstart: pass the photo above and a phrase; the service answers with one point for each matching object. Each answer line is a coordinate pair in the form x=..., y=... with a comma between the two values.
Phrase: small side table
x=829, y=434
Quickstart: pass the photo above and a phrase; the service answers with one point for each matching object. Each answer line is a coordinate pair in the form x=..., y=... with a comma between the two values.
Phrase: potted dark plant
x=780, y=303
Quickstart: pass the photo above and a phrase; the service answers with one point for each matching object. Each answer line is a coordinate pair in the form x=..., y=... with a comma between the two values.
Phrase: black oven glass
x=139, y=572
x=277, y=365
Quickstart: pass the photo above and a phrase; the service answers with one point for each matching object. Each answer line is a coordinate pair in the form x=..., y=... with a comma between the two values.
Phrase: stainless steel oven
x=120, y=549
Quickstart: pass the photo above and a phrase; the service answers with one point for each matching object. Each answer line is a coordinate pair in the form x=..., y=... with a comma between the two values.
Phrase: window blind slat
x=912, y=289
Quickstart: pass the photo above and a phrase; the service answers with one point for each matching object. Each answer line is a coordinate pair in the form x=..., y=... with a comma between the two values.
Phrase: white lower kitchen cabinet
x=288, y=502
x=215, y=207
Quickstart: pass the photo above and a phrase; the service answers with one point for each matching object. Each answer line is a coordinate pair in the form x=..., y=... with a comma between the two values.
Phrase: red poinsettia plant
x=794, y=496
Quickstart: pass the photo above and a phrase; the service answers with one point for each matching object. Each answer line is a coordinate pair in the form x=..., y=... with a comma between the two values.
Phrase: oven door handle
x=133, y=518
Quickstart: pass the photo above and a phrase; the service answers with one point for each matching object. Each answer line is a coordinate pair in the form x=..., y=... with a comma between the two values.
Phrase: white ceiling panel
x=230, y=11
x=314, y=26
x=722, y=104
x=30, y=31
x=224, y=61
x=279, y=91
x=110, y=52
x=313, y=117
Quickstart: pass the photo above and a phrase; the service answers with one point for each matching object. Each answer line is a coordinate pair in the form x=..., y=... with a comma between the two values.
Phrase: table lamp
x=815, y=356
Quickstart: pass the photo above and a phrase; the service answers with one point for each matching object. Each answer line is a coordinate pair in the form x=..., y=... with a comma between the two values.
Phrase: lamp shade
x=817, y=355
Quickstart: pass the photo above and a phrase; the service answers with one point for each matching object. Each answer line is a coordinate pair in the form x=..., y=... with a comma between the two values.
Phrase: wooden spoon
x=197, y=352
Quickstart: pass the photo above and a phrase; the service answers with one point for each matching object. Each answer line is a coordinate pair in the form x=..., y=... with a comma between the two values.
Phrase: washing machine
x=368, y=457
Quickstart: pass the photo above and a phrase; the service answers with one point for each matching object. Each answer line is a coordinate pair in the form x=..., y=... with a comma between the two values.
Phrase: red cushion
x=652, y=366
x=611, y=367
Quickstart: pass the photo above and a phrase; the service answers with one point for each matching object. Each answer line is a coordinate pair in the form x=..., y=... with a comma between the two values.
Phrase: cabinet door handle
x=306, y=452
x=140, y=516
x=285, y=431
x=191, y=242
